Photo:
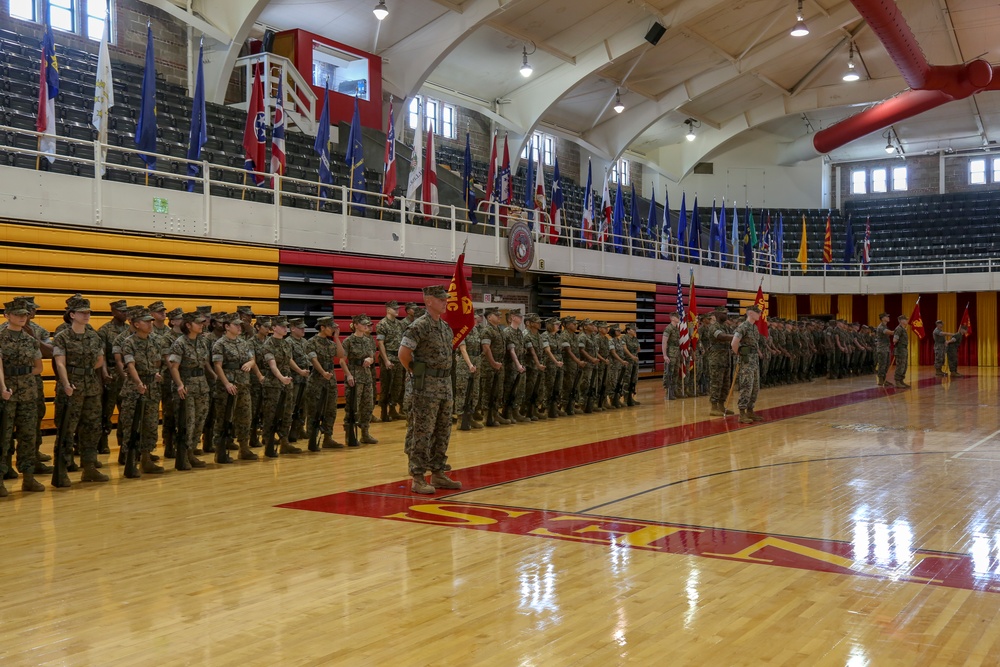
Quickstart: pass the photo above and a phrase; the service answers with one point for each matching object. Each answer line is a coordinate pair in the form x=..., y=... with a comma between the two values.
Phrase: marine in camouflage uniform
x=901, y=339
x=388, y=335
x=142, y=355
x=601, y=383
x=322, y=350
x=494, y=352
x=44, y=339
x=746, y=343
x=952, y=351
x=535, y=363
x=427, y=345
x=632, y=354
x=214, y=330
x=109, y=332
x=587, y=349
x=671, y=350
x=297, y=338
x=168, y=392
x=78, y=356
x=940, y=337
x=189, y=358
x=618, y=366
x=263, y=330
x=573, y=364
x=234, y=362
x=553, y=367
x=279, y=397
x=21, y=357
x=359, y=357
x=468, y=358
x=514, y=370
x=717, y=338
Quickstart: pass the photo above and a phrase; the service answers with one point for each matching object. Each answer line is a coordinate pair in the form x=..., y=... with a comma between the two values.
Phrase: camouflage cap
x=601, y=324
x=263, y=321
x=175, y=314
x=297, y=323
x=230, y=318
x=120, y=304
x=754, y=308
x=326, y=322
x=279, y=321
x=902, y=317
x=217, y=315
x=77, y=303
x=490, y=311
x=140, y=314
x=479, y=312
x=195, y=318
x=569, y=319
x=30, y=300
x=675, y=315
x=532, y=317
x=204, y=310
x=881, y=315
x=392, y=304
x=436, y=291
x=587, y=321
x=552, y=320
x=361, y=318
x=514, y=312
x=16, y=307
x=245, y=310
x=941, y=322
x=411, y=305
x=156, y=306
x=133, y=309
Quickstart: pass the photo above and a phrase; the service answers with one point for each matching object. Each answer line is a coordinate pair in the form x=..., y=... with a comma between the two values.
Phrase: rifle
x=351, y=417
x=736, y=374
x=227, y=433
x=257, y=420
x=180, y=417
x=633, y=376
x=620, y=386
x=319, y=418
x=277, y=423
x=62, y=446
x=574, y=394
x=467, y=407
x=297, y=410
x=107, y=409
x=509, y=400
x=134, y=436
x=556, y=392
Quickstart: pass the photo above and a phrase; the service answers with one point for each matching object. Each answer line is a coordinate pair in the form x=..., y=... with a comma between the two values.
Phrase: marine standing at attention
x=745, y=343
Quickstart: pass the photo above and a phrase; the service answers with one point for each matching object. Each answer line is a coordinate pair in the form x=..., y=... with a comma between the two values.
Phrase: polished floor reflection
x=854, y=527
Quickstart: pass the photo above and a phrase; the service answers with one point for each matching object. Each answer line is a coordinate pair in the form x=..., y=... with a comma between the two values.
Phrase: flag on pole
x=506, y=182
x=966, y=321
x=722, y=234
x=491, y=174
x=749, y=238
x=803, y=257
x=529, y=184
x=539, y=200
x=414, y=183
x=322, y=143
x=682, y=223
x=916, y=321
x=470, y=194
x=665, y=231
x=866, y=252
x=685, y=340
x=618, y=218
x=828, y=243
x=430, y=189
x=556, y=206
x=104, y=93
x=761, y=303
x=765, y=241
x=713, y=231
x=734, y=242
x=694, y=233
x=692, y=316
x=849, y=246
x=278, y=163
x=753, y=228
x=198, y=134
x=355, y=160
x=389, y=181
x=651, y=220
x=255, y=130
x=779, y=243
x=587, y=221
x=605, y=226
x=459, y=313
x=48, y=90
x=145, y=127
x=635, y=222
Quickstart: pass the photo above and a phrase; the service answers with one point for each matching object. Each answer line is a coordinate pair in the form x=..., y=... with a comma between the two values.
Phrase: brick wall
x=923, y=175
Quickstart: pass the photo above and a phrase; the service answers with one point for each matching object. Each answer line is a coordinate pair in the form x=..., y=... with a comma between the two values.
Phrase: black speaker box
x=655, y=33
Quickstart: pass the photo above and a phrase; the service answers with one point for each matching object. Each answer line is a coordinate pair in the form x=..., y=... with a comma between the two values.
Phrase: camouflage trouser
x=364, y=403
x=586, y=378
x=748, y=381
x=83, y=418
x=952, y=354
x=150, y=418
x=938, y=358
x=428, y=431
x=881, y=363
x=39, y=409
x=491, y=376
x=466, y=385
x=599, y=386
x=548, y=382
x=19, y=425
x=391, y=383
x=272, y=421
x=672, y=371
x=116, y=398
x=571, y=378
x=195, y=410
x=902, y=363
x=298, y=389
x=510, y=394
x=533, y=381
x=256, y=408
x=167, y=394
x=615, y=371
x=719, y=378
x=312, y=408
x=241, y=414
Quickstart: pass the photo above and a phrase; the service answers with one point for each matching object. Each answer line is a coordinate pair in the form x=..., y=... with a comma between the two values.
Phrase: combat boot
x=131, y=472
x=148, y=466
x=505, y=414
x=384, y=416
x=330, y=443
x=420, y=485
x=41, y=468
x=518, y=416
x=91, y=474
x=754, y=416
x=629, y=401
x=366, y=437
x=222, y=456
x=247, y=454
x=3, y=490
x=284, y=447
x=194, y=460
x=500, y=419
x=394, y=414
x=616, y=401
x=716, y=410
x=42, y=457
x=63, y=482
x=745, y=417
x=477, y=424
x=440, y=480
x=671, y=394
x=30, y=484
x=726, y=411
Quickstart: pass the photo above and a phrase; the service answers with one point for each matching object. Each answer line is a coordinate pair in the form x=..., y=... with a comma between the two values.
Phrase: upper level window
x=879, y=180
x=344, y=72
x=620, y=171
x=899, y=178
x=438, y=116
x=83, y=17
x=996, y=170
x=977, y=171
x=543, y=147
x=859, y=182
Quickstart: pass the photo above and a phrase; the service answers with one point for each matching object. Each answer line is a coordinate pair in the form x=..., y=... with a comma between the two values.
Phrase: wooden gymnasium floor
x=855, y=527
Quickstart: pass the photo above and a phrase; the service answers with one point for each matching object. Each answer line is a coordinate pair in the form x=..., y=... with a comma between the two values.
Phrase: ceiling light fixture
x=852, y=72
x=526, y=69
x=800, y=29
x=619, y=107
x=889, y=148
x=691, y=124
x=380, y=11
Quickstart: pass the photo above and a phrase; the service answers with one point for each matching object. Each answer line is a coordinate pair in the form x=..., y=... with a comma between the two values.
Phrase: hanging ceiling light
x=852, y=72
x=526, y=69
x=800, y=29
x=889, y=148
x=691, y=123
x=619, y=107
x=380, y=11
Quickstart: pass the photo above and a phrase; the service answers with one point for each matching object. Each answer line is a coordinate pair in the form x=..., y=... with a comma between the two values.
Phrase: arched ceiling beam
x=234, y=18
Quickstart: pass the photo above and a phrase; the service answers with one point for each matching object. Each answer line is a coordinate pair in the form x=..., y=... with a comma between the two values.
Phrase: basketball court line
x=976, y=444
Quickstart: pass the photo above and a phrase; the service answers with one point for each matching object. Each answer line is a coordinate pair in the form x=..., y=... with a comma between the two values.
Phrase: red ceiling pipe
x=905, y=105
x=888, y=24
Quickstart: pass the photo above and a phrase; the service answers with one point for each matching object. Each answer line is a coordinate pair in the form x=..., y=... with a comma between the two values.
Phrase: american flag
x=685, y=338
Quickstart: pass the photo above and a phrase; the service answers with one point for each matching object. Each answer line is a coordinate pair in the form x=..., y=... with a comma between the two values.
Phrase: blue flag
x=145, y=128
x=779, y=242
x=322, y=144
x=747, y=244
x=682, y=223
x=470, y=195
x=665, y=229
x=651, y=221
x=722, y=233
x=635, y=223
x=618, y=218
x=713, y=231
x=849, y=248
x=694, y=233
x=199, y=124
x=355, y=160
x=529, y=184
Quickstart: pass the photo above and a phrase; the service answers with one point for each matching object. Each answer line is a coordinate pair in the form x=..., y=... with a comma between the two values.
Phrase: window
x=430, y=115
x=977, y=171
x=544, y=147
x=447, y=121
x=879, y=180
x=899, y=178
x=344, y=72
x=996, y=170
x=620, y=171
x=66, y=15
x=438, y=116
x=859, y=182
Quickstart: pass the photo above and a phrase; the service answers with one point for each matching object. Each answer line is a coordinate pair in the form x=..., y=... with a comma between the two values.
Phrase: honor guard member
x=297, y=337
x=514, y=370
x=745, y=344
x=359, y=356
x=468, y=358
x=44, y=338
x=671, y=350
x=234, y=363
x=883, y=338
x=632, y=351
x=534, y=362
x=718, y=337
x=573, y=365
x=587, y=349
x=168, y=393
x=277, y=419
x=263, y=330
x=604, y=366
x=479, y=413
x=322, y=351
x=109, y=332
x=494, y=352
x=426, y=354
x=142, y=355
x=618, y=366
x=901, y=339
x=553, y=367
x=78, y=356
x=20, y=363
x=952, y=350
x=189, y=360
x=214, y=330
x=940, y=343
x=388, y=334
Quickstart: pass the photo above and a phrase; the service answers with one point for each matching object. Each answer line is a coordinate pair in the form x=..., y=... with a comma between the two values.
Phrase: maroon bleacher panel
x=369, y=264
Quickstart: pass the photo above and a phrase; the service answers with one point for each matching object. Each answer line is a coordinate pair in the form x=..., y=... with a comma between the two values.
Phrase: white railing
x=300, y=101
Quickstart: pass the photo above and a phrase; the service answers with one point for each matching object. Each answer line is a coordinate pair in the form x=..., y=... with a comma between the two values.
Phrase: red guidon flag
x=459, y=315
x=966, y=321
x=916, y=321
x=761, y=303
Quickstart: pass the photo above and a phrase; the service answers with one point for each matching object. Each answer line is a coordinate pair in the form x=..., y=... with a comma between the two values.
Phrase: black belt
x=438, y=372
x=231, y=367
x=14, y=371
x=146, y=379
x=79, y=370
x=192, y=372
x=360, y=361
